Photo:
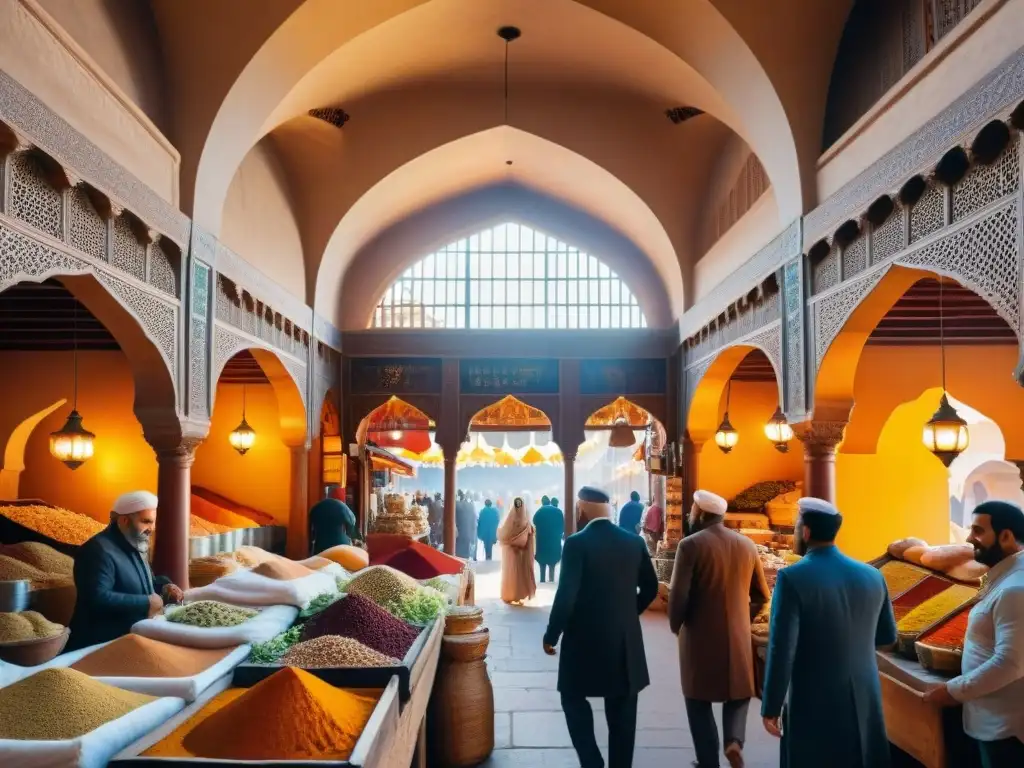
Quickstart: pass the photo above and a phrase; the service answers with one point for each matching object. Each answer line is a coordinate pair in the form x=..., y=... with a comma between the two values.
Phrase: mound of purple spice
x=362, y=619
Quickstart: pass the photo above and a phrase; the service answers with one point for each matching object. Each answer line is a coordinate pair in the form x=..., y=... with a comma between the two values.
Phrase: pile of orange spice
x=291, y=715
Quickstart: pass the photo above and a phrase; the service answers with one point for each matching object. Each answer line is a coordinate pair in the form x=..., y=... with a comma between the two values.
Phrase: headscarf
x=517, y=529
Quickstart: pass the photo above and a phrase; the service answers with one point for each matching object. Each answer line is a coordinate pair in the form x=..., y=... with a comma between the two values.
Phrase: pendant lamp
x=778, y=431
x=726, y=437
x=72, y=444
x=508, y=34
x=622, y=435
x=242, y=437
x=946, y=433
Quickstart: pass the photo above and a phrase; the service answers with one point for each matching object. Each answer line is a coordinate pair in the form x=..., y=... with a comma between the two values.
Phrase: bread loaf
x=947, y=556
x=897, y=548
x=914, y=554
x=969, y=571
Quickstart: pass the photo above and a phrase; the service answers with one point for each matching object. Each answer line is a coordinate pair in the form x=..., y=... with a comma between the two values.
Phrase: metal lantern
x=946, y=434
x=726, y=437
x=242, y=437
x=73, y=443
x=778, y=431
x=622, y=435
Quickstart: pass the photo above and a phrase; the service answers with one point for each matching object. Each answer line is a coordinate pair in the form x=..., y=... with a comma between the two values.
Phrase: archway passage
x=250, y=476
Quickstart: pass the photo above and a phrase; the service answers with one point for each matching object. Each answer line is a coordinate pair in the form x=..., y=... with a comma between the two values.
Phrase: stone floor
x=530, y=729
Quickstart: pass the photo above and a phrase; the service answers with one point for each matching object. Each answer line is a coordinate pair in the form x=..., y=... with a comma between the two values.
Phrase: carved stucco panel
x=227, y=343
x=831, y=312
x=159, y=319
x=769, y=341
x=794, y=337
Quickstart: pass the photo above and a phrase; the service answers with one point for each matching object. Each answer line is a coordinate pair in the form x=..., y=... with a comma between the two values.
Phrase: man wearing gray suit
x=829, y=614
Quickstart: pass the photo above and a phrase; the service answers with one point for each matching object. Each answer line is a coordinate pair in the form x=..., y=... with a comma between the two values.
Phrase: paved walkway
x=530, y=729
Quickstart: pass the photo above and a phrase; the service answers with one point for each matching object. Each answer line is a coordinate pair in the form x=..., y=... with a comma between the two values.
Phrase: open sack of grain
x=267, y=623
x=154, y=667
x=259, y=587
x=59, y=718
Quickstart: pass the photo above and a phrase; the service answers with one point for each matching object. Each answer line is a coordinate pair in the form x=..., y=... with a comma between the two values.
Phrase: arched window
x=509, y=276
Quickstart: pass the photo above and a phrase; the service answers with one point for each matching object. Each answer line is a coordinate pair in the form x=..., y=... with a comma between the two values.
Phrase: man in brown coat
x=718, y=584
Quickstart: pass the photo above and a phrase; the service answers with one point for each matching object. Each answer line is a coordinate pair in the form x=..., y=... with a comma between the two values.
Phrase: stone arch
x=531, y=410
x=291, y=404
x=844, y=321
x=706, y=383
x=13, y=443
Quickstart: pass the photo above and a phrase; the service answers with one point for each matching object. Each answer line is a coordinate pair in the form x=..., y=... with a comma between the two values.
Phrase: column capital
x=183, y=453
x=820, y=437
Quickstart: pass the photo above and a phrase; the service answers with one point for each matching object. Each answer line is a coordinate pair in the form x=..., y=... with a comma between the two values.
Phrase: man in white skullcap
x=115, y=585
x=718, y=586
x=829, y=615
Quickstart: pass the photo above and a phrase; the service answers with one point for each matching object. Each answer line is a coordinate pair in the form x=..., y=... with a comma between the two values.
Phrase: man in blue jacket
x=631, y=513
x=115, y=585
x=829, y=614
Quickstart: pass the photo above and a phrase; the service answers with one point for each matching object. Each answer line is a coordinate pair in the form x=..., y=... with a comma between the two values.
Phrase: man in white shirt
x=991, y=685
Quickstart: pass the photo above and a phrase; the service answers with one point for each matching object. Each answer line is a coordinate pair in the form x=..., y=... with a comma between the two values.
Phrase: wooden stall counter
x=933, y=736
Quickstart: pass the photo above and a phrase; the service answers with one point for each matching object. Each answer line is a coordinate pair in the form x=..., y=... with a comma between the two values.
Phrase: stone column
x=691, y=476
x=820, y=440
x=449, y=502
x=298, y=505
x=570, y=493
x=174, y=489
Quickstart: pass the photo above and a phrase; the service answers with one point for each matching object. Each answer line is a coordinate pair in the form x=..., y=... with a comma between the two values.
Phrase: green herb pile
x=210, y=613
x=342, y=583
x=270, y=651
x=420, y=606
x=318, y=604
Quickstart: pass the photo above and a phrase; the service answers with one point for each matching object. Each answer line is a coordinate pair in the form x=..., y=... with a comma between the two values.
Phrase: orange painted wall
x=754, y=458
x=260, y=478
x=123, y=460
x=888, y=485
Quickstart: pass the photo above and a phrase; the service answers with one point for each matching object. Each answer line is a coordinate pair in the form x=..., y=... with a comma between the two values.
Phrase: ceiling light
x=726, y=437
x=778, y=431
x=508, y=34
x=73, y=444
x=945, y=433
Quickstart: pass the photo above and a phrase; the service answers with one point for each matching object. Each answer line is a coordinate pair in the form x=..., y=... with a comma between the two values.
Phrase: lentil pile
x=211, y=613
x=16, y=627
x=137, y=656
x=61, y=525
x=62, y=704
x=38, y=555
x=282, y=569
x=291, y=715
x=335, y=651
x=361, y=619
x=381, y=584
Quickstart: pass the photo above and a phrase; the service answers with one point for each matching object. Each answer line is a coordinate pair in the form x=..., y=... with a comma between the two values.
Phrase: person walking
x=829, y=614
x=607, y=581
x=487, y=528
x=631, y=513
x=653, y=527
x=550, y=525
x=519, y=543
x=465, y=524
x=435, y=518
x=718, y=585
x=991, y=683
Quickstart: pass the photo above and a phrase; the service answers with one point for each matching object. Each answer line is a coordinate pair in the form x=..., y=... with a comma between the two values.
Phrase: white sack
x=269, y=623
x=252, y=589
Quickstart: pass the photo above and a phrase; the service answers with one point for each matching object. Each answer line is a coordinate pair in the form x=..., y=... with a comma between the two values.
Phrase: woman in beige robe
x=519, y=544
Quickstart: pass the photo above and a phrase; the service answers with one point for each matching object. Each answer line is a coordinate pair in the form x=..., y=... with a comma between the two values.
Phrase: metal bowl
x=14, y=596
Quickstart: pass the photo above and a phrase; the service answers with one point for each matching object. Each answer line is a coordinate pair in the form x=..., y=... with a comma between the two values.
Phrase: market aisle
x=530, y=730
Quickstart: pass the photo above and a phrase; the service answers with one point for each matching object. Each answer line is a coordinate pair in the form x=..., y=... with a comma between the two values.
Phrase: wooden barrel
x=461, y=718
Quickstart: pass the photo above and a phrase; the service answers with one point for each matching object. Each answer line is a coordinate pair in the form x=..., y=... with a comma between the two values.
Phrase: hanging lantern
x=726, y=437
x=73, y=443
x=622, y=435
x=396, y=434
x=778, y=431
x=242, y=437
x=946, y=434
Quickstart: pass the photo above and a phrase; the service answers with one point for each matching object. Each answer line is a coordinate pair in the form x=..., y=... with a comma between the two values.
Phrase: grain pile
x=291, y=715
x=206, y=570
x=360, y=618
x=211, y=613
x=249, y=556
x=381, y=584
x=198, y=527
x=29, y=625
x=61, y=704
x=282, y=569
x=41, y=556
x=59, y=524
x=16, y=570
x=137, y=656
x=335, y=651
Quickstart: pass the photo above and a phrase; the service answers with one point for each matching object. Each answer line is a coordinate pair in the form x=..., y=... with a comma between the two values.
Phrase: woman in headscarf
x=331, y=523
x=519, y=542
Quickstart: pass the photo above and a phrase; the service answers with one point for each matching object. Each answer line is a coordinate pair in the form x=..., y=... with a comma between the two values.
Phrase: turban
x=136, y=501
x=822, y=507
x=593, y=504
x=710, y=502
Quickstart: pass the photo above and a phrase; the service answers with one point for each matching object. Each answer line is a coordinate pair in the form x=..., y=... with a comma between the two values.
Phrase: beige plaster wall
x=42, y=57
x=259, y=224
x=966, y=54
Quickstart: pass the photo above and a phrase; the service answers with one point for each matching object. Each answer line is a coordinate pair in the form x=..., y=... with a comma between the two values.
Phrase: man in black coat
x=607, y=582
x=115, y=585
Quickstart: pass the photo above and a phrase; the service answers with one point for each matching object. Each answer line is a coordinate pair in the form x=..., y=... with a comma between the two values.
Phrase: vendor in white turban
x=708, y=508
x=115, y=585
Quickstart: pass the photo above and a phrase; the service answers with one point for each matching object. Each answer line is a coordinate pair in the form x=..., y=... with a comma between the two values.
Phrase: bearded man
x=115, y=585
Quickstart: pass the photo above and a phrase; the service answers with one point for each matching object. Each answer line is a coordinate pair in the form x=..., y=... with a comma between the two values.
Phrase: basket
x=465, y=648
x=31, y=653
x=463, y=619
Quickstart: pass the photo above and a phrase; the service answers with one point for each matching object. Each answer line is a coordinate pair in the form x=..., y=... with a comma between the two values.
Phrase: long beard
x=990, y=556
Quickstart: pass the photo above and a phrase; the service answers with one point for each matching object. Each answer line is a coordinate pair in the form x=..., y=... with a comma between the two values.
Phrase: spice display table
x=932, y=735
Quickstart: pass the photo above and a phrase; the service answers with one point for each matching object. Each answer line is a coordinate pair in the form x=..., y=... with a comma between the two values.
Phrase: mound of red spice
x=362, y=619
x=423, y=562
